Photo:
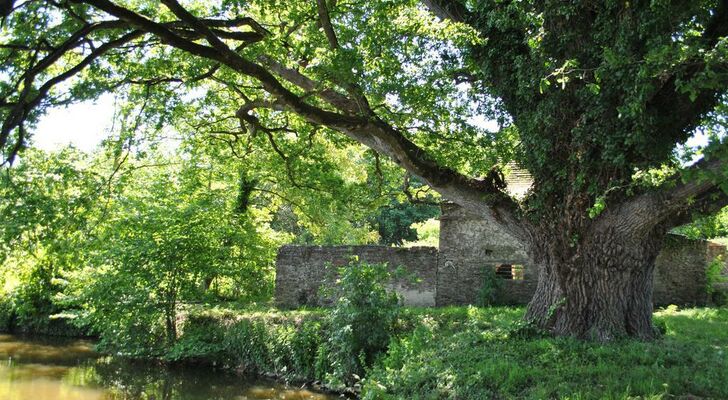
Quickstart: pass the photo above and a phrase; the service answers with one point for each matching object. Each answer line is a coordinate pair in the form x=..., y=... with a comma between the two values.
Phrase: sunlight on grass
x=470, y=353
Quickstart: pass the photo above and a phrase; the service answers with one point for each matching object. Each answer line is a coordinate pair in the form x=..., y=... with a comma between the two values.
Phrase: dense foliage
x=394, y=222
x=274, y=99
x=242, y=126
x=49, y=207
x=439, y=354
x=328, y=346
x=707, y=227
x=120, y=242
x=362, y=301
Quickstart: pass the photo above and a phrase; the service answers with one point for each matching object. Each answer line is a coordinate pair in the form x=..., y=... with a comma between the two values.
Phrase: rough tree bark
x=602, y=292
x=600, y=288
x=595, y=275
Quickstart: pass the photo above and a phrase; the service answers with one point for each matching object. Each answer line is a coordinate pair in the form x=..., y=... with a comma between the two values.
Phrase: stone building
x=469, y=248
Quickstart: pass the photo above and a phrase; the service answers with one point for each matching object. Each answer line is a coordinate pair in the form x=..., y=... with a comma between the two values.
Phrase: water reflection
x=57, y=369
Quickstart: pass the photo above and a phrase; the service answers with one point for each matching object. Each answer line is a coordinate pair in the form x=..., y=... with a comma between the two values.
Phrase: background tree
x=591, y=98
x=168, y=244
x=125, y=241
x=394, y=221
x=707, y=227
x=49, y=207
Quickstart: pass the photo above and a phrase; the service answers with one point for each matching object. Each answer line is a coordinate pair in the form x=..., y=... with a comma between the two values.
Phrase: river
x=45, y=368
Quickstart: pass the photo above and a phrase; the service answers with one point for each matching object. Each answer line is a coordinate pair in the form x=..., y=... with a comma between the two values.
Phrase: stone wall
x=469, y=246
x=301, y=270
x=680, y=271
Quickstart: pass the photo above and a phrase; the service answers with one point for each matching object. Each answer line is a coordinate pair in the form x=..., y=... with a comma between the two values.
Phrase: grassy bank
x=468, y=353
x=475, y=353
x=285, y=344
x=462, y=353
x=37, y=324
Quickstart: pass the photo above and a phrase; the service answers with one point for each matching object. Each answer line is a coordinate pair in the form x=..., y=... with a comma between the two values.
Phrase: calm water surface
x=56, y=369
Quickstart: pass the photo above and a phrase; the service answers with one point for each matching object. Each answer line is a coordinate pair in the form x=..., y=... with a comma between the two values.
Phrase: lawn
x=475, y=353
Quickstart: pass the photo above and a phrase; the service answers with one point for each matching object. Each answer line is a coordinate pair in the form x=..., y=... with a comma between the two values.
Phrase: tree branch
x=23, y=107
x=325, y=20
x=480, y=196
x=453, y=10
x=334, y=98
x=228, y=57
x=678, y=112
x=20, y=110
x=673, y=199
x=709, y=203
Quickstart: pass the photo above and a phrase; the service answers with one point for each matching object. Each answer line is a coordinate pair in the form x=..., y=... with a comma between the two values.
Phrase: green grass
x=475, y=353
x=471, y=353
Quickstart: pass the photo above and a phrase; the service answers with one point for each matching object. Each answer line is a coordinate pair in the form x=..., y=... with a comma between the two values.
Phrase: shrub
x=361, y=323
x=713, y=277
x=281, y=344
x=7, y=313
x=337, y=347
x=249, y=343
x=490, y=289
x=201, y=340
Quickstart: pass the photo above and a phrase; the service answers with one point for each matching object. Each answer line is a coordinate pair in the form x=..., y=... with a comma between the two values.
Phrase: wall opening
x=510, y=271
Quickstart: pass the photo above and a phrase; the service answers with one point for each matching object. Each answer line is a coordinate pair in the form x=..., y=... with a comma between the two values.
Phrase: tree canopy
x=591, y=98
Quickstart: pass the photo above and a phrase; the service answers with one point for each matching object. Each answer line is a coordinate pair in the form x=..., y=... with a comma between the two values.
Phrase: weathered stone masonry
x=301, y=270
x=454, y=274
x=467, y=245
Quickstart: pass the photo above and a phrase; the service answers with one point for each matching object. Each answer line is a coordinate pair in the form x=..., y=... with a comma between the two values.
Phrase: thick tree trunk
x=602, y=291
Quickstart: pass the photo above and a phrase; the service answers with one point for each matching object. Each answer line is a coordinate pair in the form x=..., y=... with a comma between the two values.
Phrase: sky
x=84, y=125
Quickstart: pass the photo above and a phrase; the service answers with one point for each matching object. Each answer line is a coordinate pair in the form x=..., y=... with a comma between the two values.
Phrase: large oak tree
x=592, y=99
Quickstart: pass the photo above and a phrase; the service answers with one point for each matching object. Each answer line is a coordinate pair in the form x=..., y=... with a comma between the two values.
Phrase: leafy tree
x=592, y=99
x=414, y=203
x=707, y=227
x=394, y=222
x=167, y=241
x=48, y=205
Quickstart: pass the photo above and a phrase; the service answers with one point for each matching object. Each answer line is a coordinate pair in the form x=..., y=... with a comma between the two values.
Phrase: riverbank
x=57, y=368
x=468, y=353
x=475, y=353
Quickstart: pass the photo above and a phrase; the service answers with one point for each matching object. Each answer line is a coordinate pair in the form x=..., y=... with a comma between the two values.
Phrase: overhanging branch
x=453, y=10
x=679, y=113
x=25, y=104
x=325, y=20
x=696, y=188
x=480, y=196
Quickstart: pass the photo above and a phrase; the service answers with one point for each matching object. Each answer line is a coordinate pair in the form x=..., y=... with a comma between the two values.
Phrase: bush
x=361, y=322
x=285, y=345
x=201, y=341
x=336, y=347
x=490, y=290
x=714, y=277
x=7, y=314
